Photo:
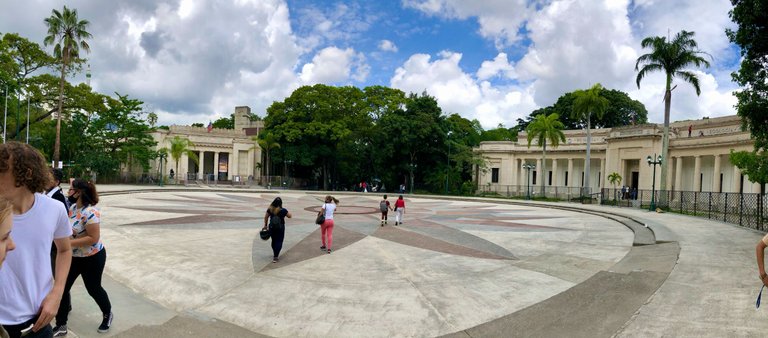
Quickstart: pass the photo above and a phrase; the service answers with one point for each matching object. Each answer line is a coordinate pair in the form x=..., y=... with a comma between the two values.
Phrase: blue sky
x=491, y=60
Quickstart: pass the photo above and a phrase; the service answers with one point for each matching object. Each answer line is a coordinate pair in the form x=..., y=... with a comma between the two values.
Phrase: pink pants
x=326, y=231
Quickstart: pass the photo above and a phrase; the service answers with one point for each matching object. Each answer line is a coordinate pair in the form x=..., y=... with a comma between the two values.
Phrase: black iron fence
x=738, y=208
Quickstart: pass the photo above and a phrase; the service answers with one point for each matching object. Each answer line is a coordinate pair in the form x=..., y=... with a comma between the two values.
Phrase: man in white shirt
x=30, y=295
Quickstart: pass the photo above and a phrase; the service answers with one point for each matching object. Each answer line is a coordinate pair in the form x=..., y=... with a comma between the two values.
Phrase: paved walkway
x=189, y=263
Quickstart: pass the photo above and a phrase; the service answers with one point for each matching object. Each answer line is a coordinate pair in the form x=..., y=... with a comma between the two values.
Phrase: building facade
x=698, y=158
x=223, y=154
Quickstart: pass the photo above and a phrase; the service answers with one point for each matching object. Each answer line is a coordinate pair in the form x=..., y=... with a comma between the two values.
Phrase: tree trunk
x=57, y=142
x=587, y=163
x=665, y=136
x=543, y=167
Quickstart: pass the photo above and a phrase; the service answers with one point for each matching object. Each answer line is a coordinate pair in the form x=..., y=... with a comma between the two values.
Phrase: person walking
x=54, y=191
x=385, y=207
x=326, y=229
x=30, y=294
x=399, y=210
x=6, y=242
x=274, y=221
x=88, y=255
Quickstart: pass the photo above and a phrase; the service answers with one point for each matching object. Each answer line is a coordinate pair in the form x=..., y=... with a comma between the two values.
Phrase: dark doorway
x=635, y=178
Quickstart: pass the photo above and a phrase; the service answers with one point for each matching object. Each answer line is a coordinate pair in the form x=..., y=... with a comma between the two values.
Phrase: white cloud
x=499, y=20
x=387, y=46
x=458, y=92
x=499, y=65
x=334, y=65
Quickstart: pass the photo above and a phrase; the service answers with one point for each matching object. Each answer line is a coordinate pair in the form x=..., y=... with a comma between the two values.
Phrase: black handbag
x=264, y=234
x=320, y=218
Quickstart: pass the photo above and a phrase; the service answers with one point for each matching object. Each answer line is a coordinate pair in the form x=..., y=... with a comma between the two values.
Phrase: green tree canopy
x=752, y=37
x=621, y=111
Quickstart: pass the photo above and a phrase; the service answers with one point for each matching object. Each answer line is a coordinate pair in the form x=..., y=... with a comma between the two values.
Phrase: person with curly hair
x=6, y=242
x=30, y=294
x=88, y=255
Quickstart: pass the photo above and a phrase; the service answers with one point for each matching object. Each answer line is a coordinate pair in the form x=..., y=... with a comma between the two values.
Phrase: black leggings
x=91, y=268
x=277, y=241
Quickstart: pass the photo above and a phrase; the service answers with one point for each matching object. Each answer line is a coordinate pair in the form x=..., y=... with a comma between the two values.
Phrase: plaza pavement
x=188, y=263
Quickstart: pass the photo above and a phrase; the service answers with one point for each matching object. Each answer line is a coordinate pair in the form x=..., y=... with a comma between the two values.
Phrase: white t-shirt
x=25, y=277
x=329, y=209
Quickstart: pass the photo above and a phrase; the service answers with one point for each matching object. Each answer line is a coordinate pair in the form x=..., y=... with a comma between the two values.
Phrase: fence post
x=695, y=202
x=741, y=207
x=725, y=209
x=681, y=201
x=709, y=212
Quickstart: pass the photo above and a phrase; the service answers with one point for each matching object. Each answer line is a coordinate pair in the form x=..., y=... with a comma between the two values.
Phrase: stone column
x=215, y=165
x=697, y=173
x=670, y=165
x=554, y=172
x=736, y=179
x=234, y=165
x=602, y=174
x=181, y=172
x=515, y=173
x=716, y=175
x=679, y=173
x=570, y=173
x=540, y=172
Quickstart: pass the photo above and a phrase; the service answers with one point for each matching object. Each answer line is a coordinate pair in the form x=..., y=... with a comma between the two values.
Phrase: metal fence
x=738, y=208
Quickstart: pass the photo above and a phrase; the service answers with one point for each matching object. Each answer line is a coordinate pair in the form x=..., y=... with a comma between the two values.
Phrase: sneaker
x=322, y=247
x=329, y=250
x=60, y=331
x=106, y=323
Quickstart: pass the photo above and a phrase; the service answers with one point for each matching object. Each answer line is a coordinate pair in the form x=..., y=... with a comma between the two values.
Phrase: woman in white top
x=326, y=229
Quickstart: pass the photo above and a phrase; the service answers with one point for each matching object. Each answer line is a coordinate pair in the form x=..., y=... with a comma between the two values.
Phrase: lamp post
x=162, y=158
x=528, y=167
x=412, y=167
x=448, y=170
x=653, y=161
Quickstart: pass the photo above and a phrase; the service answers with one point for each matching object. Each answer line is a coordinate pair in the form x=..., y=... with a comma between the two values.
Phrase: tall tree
x=69, y=35
x=267, y=142
x=543, y=129
x=672, y=58
x=586, y=103
x=752, y=37
x=622, y=111
x=180, y=146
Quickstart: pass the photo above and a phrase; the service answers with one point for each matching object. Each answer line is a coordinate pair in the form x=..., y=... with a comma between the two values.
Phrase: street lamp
x=448, y=170
x=162, y=156
x=528, y=167
x=412, y=166
x=653, y=184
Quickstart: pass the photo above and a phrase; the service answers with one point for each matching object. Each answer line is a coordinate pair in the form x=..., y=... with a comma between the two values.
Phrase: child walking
x=384, y=207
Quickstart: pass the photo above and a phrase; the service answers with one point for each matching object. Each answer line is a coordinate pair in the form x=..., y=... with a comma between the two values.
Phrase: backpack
x=383, y=206
x=275, y=223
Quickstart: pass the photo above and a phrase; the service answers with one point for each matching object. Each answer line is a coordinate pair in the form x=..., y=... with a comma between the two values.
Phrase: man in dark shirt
x=54, y=191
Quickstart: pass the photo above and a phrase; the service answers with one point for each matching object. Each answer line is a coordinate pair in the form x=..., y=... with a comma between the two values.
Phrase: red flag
x=210, y=126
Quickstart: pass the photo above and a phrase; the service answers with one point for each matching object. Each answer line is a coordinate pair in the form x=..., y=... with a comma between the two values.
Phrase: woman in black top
x=276, y=228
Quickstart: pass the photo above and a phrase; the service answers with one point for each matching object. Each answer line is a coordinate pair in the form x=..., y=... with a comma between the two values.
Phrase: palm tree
x=585, y=103
x=670, y=57
x=180, y=146
x=267, y=142
x=545, y=128
x=69, y=34
x=615, y=179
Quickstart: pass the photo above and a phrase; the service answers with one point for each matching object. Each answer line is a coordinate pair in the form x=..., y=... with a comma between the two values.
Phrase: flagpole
x=5, y=118
x=27, y=118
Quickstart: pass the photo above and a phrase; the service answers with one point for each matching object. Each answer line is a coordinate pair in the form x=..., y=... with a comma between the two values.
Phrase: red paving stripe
x=309, y=247
x=417, y=240
x=196, y=219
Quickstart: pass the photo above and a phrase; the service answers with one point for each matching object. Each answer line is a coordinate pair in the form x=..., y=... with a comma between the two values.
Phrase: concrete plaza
x=189, y=263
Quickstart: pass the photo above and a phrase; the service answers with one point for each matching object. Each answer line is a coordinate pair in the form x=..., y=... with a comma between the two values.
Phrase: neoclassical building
x=223, y=154
x=698, y=160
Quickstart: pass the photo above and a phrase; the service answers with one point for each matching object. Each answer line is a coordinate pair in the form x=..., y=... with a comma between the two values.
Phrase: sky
x=491, y=60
